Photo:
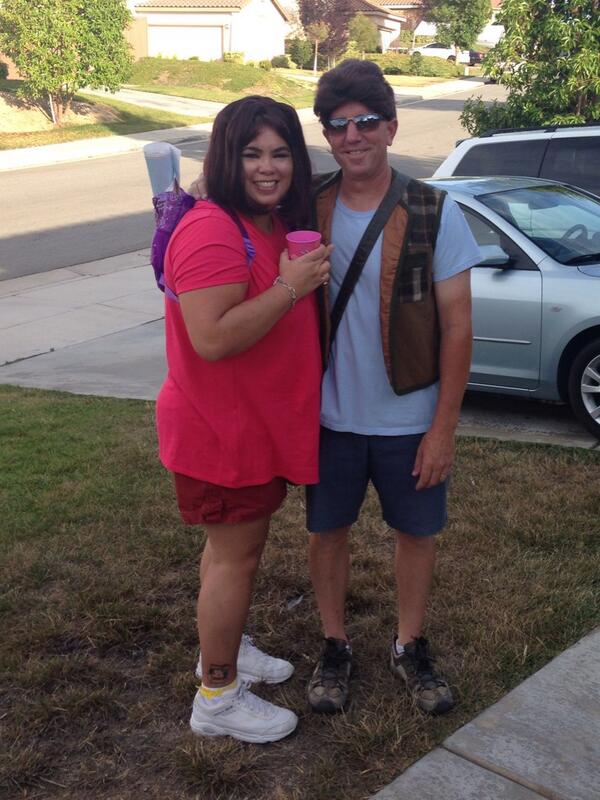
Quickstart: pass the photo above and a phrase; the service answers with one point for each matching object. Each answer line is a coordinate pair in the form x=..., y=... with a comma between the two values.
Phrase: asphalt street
x=76, y=212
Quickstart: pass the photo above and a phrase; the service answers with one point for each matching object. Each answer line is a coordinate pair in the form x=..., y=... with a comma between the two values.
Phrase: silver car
x=536, y=296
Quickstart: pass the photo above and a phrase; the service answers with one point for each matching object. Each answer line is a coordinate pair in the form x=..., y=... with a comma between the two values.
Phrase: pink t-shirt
x=248, y=418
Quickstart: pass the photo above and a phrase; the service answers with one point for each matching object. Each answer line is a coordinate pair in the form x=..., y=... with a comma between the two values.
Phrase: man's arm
x=436, y=451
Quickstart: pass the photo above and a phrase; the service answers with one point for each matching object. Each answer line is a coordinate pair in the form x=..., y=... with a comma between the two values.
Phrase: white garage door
x=184, y=41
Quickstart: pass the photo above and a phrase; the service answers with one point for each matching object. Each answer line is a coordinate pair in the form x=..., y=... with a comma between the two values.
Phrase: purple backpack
x=169, y=209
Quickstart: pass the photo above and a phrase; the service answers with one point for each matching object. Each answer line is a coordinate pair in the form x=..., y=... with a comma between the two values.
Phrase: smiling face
x=362, y=155
x=267, y=167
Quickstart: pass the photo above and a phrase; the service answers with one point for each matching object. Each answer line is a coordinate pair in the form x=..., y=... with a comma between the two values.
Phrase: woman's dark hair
x=358, y=81
x=234, y=128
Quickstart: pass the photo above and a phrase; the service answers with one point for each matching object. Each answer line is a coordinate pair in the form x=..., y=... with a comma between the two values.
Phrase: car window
x=563, y=222
x=494, y=244
x=575, y=161
x=503, y=158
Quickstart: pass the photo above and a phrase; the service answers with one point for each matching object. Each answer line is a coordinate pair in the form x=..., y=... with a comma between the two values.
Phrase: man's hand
x=434, y=460
x=198, y=188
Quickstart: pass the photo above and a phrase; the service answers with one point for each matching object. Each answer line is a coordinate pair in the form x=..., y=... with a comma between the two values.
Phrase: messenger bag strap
x=366, y=244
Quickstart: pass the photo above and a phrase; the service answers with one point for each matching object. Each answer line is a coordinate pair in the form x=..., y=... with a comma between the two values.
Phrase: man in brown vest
x=395, y=376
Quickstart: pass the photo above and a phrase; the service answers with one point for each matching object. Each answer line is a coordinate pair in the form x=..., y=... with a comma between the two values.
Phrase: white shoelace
x=253, y=702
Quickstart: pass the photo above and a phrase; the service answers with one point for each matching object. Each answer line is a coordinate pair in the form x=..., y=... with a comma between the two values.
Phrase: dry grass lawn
x=97, y=613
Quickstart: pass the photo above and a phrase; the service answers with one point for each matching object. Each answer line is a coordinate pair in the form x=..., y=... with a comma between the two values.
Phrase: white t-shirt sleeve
x=456, y=249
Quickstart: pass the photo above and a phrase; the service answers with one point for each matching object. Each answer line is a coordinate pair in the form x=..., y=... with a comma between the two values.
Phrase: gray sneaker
x=328, y=687
x=415, y=667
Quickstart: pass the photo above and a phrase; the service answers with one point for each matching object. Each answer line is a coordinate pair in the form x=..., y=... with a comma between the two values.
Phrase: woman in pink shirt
x=238, y=414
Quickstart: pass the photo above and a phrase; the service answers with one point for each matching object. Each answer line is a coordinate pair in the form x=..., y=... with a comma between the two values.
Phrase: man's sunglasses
x=363, y=122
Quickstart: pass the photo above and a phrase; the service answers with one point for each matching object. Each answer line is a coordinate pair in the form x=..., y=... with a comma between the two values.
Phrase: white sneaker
x=242, y=715
x=254, y=666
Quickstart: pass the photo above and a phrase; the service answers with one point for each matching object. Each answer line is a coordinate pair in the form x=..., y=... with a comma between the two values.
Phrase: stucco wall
x=137, y=36
x=258, y=31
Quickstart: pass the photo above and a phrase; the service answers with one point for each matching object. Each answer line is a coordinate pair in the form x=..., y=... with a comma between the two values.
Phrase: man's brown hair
x=358, y=81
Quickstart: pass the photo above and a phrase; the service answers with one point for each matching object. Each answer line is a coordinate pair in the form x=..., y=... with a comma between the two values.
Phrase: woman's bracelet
x=291, y=290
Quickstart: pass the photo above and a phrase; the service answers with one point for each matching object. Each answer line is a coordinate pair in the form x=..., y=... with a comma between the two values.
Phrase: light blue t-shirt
x=357, y=395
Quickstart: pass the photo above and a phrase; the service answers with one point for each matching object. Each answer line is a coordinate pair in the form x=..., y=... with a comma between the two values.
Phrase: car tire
x=584, y=387
x=451, y=58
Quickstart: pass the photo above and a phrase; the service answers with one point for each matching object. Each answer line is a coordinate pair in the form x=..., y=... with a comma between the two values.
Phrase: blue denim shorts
x=348, y=461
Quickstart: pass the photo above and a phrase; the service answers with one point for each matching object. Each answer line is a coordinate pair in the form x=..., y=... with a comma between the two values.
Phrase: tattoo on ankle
x=219, y=673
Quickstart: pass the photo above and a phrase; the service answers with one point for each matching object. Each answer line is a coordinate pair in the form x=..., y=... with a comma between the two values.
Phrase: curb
x=44, y=155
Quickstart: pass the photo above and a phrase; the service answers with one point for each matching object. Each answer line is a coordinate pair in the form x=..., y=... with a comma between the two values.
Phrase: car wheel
x=451, y=58
x=584, y=387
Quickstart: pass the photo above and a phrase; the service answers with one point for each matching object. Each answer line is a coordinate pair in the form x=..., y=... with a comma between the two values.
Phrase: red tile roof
x=187, y=4
x=367, y=7
x=202, y=4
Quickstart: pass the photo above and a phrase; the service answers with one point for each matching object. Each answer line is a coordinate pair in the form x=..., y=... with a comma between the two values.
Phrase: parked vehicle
x=567, y=153
x=438, y=50
x=475, y=57
x=536, y=294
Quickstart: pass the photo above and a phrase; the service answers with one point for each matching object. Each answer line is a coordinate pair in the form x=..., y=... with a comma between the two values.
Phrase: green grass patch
x=417, y=64
x=217, y=81
x=414, y=80
x=132, y=119
x=97, y=597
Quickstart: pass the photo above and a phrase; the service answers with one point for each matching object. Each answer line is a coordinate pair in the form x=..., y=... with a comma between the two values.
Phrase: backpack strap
x=248, y=247
x=366, y=244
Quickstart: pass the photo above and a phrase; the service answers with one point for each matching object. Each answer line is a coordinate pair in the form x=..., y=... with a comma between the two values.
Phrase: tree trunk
x=316, y=54
x=52, y=112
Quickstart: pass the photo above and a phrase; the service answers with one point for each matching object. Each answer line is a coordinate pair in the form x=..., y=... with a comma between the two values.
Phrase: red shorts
x=203, y=503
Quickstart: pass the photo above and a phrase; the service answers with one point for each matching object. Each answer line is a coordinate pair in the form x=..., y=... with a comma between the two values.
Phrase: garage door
x=184, y=41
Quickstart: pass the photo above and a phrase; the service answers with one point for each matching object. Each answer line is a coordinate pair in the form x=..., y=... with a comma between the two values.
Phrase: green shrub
x=265, y=64
x=193, y=58
x=281, y=62
x=3, y=70
x=416, y=64
x=233, y=57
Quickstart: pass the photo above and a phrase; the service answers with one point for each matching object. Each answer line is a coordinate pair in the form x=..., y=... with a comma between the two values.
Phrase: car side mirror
x=495, y=257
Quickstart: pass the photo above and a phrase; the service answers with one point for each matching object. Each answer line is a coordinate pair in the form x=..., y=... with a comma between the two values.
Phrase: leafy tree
x=458, y=22
x=301, y=52
x=333, y=14
x=59, y=46
x=317, y=32
x=364, y=32
x=548, y=60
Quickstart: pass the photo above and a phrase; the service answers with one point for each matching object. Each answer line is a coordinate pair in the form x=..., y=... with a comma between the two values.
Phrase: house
x=206, y=29
x=413, y=14
x=388, y=21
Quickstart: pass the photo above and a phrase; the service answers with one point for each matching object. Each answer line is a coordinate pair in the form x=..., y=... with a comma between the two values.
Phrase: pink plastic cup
x=300, y=242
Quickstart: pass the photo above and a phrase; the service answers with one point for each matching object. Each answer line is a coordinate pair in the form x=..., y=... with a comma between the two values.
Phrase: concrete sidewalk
x=540, y=741
x=97, y=328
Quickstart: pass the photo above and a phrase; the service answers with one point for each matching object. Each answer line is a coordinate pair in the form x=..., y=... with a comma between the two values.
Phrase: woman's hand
x=306, y=273
x=198, y=188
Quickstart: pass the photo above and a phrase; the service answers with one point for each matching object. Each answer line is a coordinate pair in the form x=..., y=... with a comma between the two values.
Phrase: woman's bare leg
x=224, y=599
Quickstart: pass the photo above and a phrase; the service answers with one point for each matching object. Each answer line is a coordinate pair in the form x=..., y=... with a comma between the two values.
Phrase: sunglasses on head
x=363, y=122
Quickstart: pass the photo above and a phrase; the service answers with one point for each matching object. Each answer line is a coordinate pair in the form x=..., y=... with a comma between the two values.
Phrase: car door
x=507, y=311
